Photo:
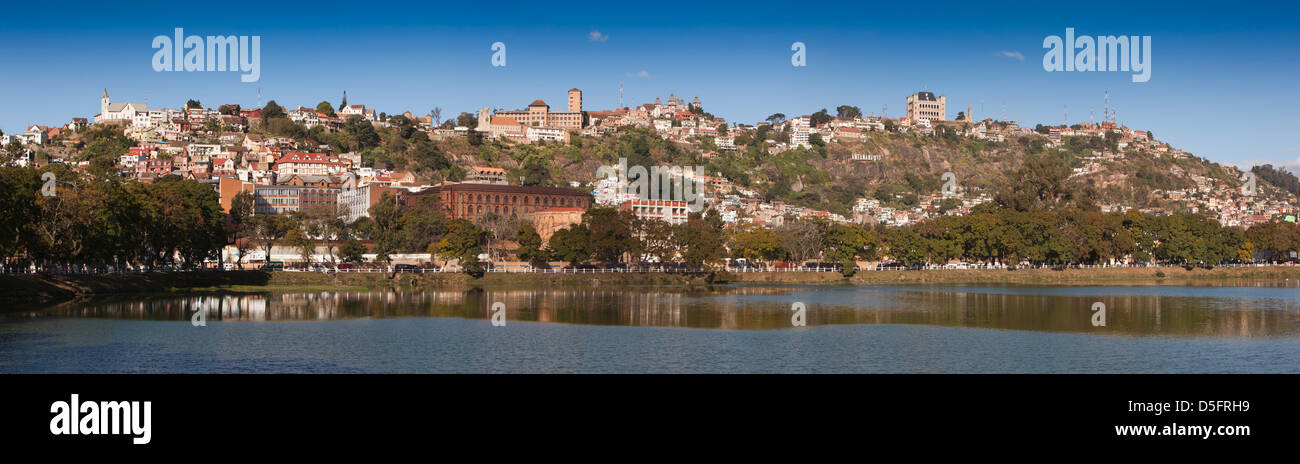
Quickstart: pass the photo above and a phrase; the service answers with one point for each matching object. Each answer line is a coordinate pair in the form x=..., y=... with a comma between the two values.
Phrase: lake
x=735, y=328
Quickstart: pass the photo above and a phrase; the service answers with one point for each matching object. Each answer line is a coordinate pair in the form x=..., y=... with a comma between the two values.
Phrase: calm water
x=641, y=329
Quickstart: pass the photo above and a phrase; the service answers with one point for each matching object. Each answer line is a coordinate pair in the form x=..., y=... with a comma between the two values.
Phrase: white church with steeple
x=117, y=111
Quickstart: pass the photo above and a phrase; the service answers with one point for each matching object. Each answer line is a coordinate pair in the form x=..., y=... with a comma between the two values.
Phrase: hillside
x=902, y=167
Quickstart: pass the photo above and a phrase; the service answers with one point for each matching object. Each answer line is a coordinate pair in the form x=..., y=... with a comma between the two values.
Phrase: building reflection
x=736, y=308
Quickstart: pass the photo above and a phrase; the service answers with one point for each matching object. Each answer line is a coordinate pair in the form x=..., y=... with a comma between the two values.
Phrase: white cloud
x=1015, y=55
x=643, y=74
x=596, y=36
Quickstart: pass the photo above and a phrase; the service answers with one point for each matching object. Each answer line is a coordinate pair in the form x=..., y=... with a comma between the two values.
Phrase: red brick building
x=470, y=201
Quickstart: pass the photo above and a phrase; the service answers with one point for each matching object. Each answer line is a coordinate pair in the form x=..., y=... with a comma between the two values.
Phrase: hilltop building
x=539, y=114
x=109, y=111
x=924, y=105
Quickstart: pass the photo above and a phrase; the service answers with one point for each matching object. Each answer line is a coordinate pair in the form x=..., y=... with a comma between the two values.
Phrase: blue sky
x=1222, y=84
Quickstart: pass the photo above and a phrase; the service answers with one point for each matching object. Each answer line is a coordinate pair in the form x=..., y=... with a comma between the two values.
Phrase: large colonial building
x=280, y=199
x=539, y=114
x=548, y=221
x=924, y=105
x=470, y=201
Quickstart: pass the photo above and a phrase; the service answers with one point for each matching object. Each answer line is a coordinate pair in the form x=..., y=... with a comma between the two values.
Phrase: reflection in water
x=1181, y=311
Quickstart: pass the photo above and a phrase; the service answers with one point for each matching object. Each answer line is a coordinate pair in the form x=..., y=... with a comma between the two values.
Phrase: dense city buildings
x=232, y=150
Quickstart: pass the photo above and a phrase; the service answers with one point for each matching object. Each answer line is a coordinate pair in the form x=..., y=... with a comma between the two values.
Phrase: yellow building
x=539, y=114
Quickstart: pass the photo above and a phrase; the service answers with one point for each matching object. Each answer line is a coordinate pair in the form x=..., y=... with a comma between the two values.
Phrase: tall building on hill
x=539, y=114
x=575, y=100
x=924, y=105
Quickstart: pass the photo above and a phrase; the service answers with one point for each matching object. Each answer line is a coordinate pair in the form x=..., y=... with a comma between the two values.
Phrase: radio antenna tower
x=1067, y=114
x=1107, y=114
x=1091, y=117
x=620, y=94
x=1004, y=111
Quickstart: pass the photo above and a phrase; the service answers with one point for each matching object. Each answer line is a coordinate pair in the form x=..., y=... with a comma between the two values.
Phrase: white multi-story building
x=800, y=128
x=547, y=134
x=671, y=211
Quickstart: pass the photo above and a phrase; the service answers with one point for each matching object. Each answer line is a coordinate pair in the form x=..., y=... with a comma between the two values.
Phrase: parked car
x=890, y=266
x=823, y=266
x=741, y=265
x=272, y=266
x=784, y=265
x=407, y=268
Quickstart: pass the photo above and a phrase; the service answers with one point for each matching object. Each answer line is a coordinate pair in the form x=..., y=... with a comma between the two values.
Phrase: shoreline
x=42, y=289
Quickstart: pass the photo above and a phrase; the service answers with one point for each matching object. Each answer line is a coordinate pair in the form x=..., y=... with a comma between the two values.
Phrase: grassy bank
x=40, y=288
x=55, y=288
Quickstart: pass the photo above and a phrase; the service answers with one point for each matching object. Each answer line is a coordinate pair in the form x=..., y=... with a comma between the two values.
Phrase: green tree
x=270, y=229
x=462, y=242
x=361, y=132
x=352, y=251
x=848, y=112
x=530, y=247
x=386, y=228
x=325, y=108
x=611, y=233
x=273, y=111
x=571, y=244
x=847, y=243
x=702, y=240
